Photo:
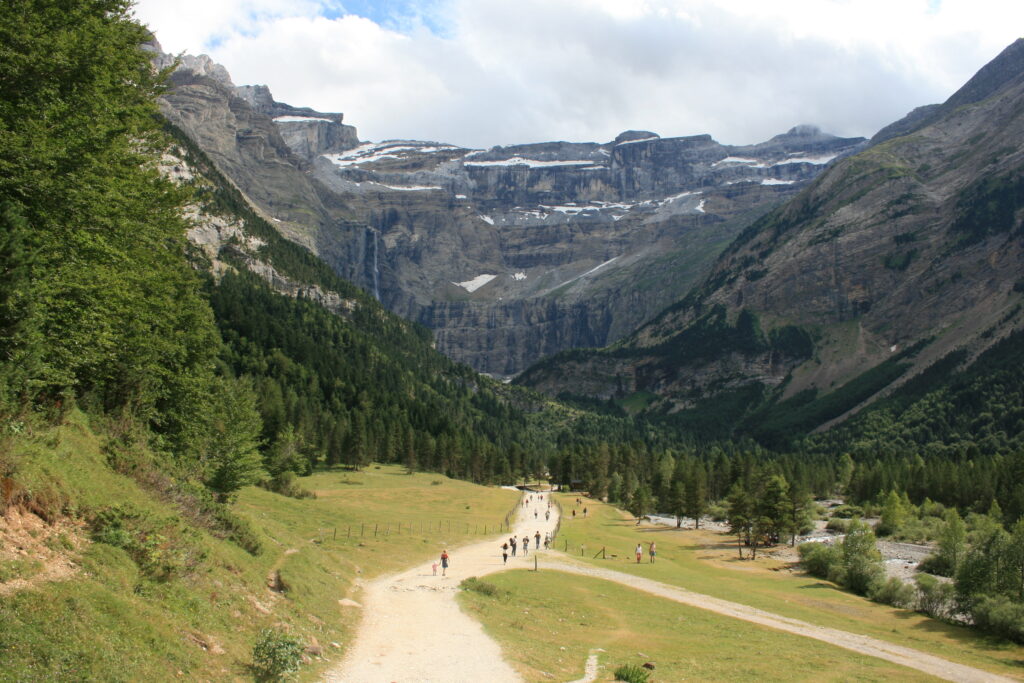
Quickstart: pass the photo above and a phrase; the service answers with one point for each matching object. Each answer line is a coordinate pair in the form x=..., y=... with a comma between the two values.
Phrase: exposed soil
x=43, y=552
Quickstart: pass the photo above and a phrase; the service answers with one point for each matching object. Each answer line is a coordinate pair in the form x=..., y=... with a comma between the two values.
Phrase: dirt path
x=413, y=630
x=905, y=656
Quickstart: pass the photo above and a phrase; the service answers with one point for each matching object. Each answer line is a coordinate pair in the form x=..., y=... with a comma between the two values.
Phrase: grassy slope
x=110, y=623
x=549, y=621
x=706, y=562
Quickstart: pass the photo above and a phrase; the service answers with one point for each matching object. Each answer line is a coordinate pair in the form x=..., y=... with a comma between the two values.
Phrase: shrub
x=847, y=511
x=895, y=593
x=935, y=564
x=276, y=655
x=286, y=484
x=717, y=512
x=934, y=597
x=1000, y=617
x=163, y=548
x=818, y=559
x=838, y=524
x=483, y=588
x=631, y=673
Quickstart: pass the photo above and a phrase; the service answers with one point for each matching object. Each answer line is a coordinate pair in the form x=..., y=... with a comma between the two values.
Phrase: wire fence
x=417, y=527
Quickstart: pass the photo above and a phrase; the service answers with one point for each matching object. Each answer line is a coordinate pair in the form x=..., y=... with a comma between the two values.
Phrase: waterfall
x=376, y=270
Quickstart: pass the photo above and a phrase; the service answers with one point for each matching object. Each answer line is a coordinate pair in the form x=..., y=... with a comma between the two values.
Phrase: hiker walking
x=512, y=541
x=584, y=513
x=547, y=515
x=444, y=563
x=639, y=552
x=547, y=541
x=526, y=546
x=504, y=553
x=652, y=551
x=536, y=540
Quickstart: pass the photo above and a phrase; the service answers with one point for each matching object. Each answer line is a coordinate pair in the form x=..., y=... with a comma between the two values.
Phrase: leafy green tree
x=19, y=342
x=952, y=543
x=983, y=570
x=1015, y=560
x=615, y=487
x=893, y=515
x=232, y=457
x=124, y=324
x=861, y=566
x=285, y=454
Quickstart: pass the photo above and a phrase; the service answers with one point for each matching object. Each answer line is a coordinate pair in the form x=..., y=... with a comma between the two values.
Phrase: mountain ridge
x=912, y=243
x=563, y=244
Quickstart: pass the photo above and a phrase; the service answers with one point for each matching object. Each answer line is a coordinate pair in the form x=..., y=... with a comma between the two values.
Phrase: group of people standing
x=512, y=544
x=652, y=551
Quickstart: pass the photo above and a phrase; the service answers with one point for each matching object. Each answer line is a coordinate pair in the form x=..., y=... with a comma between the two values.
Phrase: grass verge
x=551, y=621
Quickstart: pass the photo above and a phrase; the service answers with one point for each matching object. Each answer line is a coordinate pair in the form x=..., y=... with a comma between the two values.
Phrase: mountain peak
x=633, y=135
x=1006, y=69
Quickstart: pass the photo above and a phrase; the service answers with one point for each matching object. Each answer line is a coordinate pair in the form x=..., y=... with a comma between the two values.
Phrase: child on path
x=652, y=552
x=434, y=567
x=444, y=563
x=639, y=552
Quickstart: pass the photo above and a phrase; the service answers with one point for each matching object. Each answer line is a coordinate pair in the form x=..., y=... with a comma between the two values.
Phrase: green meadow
x=707, y=562
x=548, y=622
x=113, y=621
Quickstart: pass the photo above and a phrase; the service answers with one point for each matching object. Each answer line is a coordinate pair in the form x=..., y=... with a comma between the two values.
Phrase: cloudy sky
x=485, y=72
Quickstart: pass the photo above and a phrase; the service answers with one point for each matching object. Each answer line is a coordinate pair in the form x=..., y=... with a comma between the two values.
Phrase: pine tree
x=696, y=494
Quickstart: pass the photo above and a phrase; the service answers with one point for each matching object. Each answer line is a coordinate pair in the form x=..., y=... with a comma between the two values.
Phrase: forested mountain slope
x=889, y=261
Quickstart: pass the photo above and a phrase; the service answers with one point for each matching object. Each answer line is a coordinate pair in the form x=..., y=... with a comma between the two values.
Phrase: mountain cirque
x=508, y=254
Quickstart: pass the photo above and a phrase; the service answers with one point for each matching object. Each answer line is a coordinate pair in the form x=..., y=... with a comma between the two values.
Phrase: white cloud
x=502, y=72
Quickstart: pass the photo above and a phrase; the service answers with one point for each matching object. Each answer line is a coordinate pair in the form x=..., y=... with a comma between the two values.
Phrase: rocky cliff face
x=907, y=250
x=508, y=254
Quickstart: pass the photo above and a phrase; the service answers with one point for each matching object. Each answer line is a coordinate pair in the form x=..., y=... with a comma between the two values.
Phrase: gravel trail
x=412, y=629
